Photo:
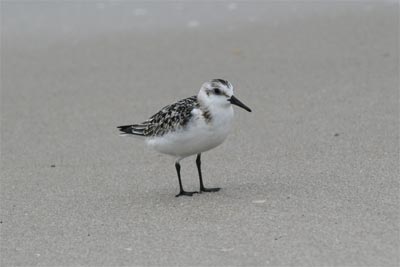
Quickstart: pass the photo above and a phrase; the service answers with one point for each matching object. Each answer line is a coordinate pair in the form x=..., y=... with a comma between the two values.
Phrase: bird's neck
x=217, y=115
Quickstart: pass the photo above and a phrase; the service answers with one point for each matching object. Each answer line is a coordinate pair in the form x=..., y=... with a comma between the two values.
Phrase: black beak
x=237, y=102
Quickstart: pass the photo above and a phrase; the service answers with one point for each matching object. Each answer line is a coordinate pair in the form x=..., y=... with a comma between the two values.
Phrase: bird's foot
x=184, y=193
x=216, y=189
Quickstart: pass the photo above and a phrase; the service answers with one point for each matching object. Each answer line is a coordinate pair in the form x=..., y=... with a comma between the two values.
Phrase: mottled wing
x=168, y=119
x=171, y=117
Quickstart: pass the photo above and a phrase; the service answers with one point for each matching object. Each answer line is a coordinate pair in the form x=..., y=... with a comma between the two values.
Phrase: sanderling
x=190, y=126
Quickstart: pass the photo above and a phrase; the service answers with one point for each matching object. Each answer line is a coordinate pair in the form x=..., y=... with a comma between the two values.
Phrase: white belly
x=199, y=136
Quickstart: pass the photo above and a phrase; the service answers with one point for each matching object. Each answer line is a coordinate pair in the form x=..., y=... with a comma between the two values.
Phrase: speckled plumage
x=170, y=118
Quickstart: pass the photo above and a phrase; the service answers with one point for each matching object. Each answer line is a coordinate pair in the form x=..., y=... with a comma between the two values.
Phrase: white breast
x=198, y=136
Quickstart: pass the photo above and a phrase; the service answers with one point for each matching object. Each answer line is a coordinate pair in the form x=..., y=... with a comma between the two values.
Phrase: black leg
x=181, y=191
x=202, y=188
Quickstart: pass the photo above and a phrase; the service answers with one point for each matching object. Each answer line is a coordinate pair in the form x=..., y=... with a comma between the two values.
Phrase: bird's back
x=170, y=118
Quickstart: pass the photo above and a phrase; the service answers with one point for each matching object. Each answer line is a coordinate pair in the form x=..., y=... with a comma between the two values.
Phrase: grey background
x=309, y=178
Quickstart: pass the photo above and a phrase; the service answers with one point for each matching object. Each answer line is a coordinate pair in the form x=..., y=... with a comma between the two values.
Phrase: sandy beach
x=309, y=178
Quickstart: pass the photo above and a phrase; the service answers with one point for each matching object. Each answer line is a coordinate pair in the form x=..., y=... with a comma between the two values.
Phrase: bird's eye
x=217, y=91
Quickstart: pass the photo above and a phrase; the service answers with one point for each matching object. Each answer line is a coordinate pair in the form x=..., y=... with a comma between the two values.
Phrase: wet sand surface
x=310, y=177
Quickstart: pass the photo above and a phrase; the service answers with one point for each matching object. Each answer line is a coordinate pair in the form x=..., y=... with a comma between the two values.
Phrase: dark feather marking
x=170, y=118
x=207, y=116
x=131, y=129
x=221, y=81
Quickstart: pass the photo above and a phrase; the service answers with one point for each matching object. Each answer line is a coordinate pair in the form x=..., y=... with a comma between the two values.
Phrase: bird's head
x=219, y=92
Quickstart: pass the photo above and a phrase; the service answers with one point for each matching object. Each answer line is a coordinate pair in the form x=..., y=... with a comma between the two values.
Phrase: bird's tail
x=135, y=129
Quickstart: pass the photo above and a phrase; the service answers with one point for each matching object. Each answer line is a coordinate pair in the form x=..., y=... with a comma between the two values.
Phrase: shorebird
x=191, y=126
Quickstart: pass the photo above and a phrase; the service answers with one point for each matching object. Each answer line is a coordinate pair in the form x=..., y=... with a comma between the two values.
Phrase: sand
x=310, y=177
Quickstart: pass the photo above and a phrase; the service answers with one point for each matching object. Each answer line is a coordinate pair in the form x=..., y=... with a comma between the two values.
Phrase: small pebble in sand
x=259, y=201
x=237, y=51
